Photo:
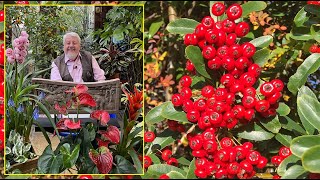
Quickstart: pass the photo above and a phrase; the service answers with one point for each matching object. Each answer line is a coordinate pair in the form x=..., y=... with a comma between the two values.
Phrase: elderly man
x=74, y=64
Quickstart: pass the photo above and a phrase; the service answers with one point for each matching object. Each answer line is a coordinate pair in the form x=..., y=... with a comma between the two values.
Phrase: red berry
x=85, y=177
x=22, y=2
x=278, y=84
x=221, y=174
x=164, y=176
x=210, y=146
x=1, y=15
x=208, y=52
x=196, y=142
x=247, y=145
x=185, y=81
x=212, y=36
x=173, y=161
x=218, y=9
x=248, y=79
x=190, y=39
x=262, y=105
x=248, y=102
x=242, y=29
x=238, y=111
x=200, y=31
x=273, y=99
x=253, y=157
x=166, y=154
x=234, y=11
x=190, y=66
x=255, y=69
x=193, y=116
x=187, y=105
x=215, y=63
x=226, y=142
x=267, y=89
x=277, y=177
x=207, y=91
x=147, y=161
x=262, y=162
x=200, y=104
x=149, y=136
x=249, y=91
x=312, y=49
x=233, y=168
x=228, y=26
x=276, y=160
x=221, y=93
x=209, y=134
x=223, y=51
x=201, y=173
x=246, y=165
x=177, y=100
x=208, y=22
x=248, y=49
x=199, y=153
x=242, y=62
x=221, y=38
x=227, y=80
x=284, y=152
x=231, y=39
x=215, y=118
x=236, y=51
x=249, y=114
x=186, y=93
x=201, y=163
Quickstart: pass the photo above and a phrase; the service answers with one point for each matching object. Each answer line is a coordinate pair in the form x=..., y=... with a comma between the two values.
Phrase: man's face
x=71, y=47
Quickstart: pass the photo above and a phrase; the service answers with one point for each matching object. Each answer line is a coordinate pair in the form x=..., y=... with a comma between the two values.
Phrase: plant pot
x=28, y=167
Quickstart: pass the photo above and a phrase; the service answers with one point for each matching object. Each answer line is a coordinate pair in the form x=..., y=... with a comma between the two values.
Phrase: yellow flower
x=157, y=56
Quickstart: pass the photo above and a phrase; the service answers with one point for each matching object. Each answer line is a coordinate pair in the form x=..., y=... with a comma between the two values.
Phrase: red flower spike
x=85, y=99
x=71, y=124
x=112, y=134
x=102, y=158
x=61, y=109
x=101, y=115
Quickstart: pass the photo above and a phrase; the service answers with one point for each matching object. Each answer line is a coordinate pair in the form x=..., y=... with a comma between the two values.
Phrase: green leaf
x=262, y=42
x=301, y=33
x=261, y=56
x=255, y=133
x=289, y=124
x=308, y=110
x=197, y=79
x=251, y=6
x=287, y=163
x=271, y=125
x=162, y=141
x=1, y=27
x=301, y=144
x=294, y=172
x=305, y=90
x=123, y=166
x=309, y=66
x=160, y=169
x=195, y=55
x=169, y=112
x=283, y=139
x=315, y=32
x=183, y=161
x=118, y=33
x=154, y=115
x=192, y=167
x=154, y=158
x=48, y=162
x=313, y=9
x=301, y=18
x=182, y=26
x=283, y=109
x=136, y=161
x=154, y=28
x=175, y=175
x=311, y=159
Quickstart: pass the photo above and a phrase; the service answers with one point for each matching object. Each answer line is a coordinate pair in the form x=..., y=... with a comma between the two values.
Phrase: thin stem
x=219, y=145
x=236, y=140
x=174, y=150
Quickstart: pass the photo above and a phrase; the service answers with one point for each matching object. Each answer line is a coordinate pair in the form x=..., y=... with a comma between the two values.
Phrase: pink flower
x=19, y=58
x=112, y=134
x=17, y=42
x=9, y=52
x=23, y=39
x=78, y=89
x=71, y=124
x=102, y=158
x=24, y=34
x=11, y=59
x=101, y=115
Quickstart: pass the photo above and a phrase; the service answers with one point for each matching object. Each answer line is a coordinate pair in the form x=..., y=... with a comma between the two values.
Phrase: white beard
x=72, y=56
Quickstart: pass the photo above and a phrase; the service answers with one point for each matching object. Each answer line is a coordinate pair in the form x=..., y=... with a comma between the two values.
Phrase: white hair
x=72, y=34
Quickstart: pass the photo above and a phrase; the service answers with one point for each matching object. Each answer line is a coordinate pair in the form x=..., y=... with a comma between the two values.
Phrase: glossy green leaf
x=1, y=27
x=195, y=55
x=262, y=42
x=313, y=9
x=309, y=110
x=136, y=161
x=182, y=26
x=192, y=168
x=301, y=18
x=160, y=169
x=309, y=66
x=311, y=159
x=261, y=56
x=294, y=172
x=301, y=144
x=255, y=133
x=291, y=125
x=251, y=6
x=283, y=139
x=287, y=163
x=48, y=162
x=123, y=166
x=175, y=175
x=315, y=32
x=301, y=33
x=305, y=90
x=154, y=28
x=154, y=158
x=271, y=125
x=197, y=79
x=154, y=115
x=162, y=141
x=183, y=161
x=283, y=109
x=169, y=112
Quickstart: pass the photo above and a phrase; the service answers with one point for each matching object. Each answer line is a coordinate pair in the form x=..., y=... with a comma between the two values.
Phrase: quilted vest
x=86, y=62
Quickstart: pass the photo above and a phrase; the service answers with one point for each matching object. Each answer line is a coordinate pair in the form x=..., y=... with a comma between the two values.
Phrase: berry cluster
x=232, y=102
x=314, y=2
x=314, y=48
x=224, y=159
x=276, y=160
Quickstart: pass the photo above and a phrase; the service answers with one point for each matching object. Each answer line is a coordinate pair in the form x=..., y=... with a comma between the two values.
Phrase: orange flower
x=134, y=102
